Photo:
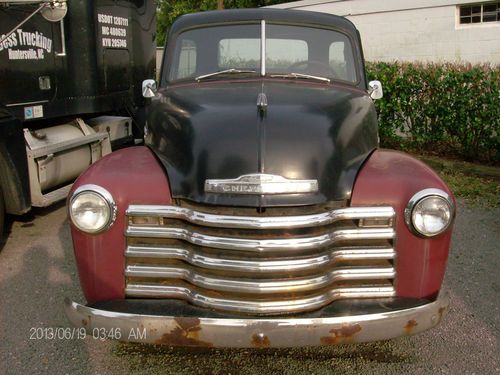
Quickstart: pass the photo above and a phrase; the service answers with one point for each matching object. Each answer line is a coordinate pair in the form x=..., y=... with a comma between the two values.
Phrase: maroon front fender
x=132, y=176
x=392, y=178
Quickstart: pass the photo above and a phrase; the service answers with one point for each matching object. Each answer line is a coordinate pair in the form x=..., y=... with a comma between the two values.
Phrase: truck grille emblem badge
x=259, y=183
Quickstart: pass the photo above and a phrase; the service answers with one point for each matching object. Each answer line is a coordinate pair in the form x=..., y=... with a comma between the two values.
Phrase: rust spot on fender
x=345, y=334
x=410, y=326
x=260, y=341
x=86, y=322
x=185, y=334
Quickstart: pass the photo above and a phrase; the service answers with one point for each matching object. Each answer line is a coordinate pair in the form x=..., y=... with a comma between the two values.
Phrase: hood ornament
x=262, y=103
x=259, y=183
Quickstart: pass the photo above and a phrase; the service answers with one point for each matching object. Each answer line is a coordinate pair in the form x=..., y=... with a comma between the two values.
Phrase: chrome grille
x=260, y=263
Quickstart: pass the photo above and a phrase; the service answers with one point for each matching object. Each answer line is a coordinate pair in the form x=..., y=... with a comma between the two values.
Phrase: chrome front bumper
x=256, y=332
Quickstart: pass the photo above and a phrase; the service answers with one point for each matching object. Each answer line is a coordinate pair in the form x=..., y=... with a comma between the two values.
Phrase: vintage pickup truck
x=261, y=212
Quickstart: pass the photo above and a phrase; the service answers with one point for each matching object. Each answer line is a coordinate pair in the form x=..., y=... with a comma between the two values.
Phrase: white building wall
x=413, y=30
x=159, y=57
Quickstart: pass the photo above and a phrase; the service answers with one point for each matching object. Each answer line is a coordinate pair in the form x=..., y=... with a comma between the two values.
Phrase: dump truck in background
x=70, y=91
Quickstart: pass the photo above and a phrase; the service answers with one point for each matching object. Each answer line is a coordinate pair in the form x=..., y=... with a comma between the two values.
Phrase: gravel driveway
x=37, y=271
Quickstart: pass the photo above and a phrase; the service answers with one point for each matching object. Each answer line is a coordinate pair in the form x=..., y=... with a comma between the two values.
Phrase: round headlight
x=429, y=212
x=92, y=209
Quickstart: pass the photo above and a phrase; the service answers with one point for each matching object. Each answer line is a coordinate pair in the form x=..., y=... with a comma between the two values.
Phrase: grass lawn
x=478, y=184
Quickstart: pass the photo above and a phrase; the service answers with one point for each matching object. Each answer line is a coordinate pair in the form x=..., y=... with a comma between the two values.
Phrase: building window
x=480, y=13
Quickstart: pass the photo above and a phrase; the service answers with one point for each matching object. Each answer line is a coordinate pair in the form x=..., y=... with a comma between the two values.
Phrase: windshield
x=221, y=52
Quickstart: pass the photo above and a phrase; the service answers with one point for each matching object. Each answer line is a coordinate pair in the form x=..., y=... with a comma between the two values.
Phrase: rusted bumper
x=255, y=332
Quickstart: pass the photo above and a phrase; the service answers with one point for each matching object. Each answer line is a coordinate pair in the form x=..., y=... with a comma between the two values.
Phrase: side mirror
x=375, y=90
x=149, y=88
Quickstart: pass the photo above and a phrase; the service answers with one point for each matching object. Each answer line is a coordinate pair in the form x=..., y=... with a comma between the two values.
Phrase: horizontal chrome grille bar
x=252, y=265
x=261, y=245
x=265, y=222
x=255, y=306
x=260, y=286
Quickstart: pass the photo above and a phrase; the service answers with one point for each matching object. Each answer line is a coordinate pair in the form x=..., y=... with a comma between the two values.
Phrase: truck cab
x=261, y=211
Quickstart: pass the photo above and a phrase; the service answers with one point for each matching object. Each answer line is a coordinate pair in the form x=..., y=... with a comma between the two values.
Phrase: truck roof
x=277, y=15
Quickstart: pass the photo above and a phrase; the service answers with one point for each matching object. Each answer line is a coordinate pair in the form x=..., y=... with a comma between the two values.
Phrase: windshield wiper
x=300, y=75
x=227, y=71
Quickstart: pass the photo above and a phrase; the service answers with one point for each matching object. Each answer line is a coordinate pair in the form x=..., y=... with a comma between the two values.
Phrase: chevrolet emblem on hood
x=257, y=184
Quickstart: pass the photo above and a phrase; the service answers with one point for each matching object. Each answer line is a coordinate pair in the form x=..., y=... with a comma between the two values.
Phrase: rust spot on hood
x=260, y=340
x=341, y=335
x=410, y=326
x=185, y=334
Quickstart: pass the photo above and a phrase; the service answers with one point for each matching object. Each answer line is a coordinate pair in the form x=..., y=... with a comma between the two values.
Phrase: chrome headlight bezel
x=105, y=196
x=420, y=197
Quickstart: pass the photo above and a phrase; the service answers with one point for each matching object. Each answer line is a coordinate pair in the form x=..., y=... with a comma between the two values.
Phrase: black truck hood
x=215, y=130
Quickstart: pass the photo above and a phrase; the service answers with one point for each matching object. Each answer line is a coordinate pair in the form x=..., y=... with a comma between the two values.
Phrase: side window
x=187, y=59
x=283, y=53
x=341, y=60
x=239, y=54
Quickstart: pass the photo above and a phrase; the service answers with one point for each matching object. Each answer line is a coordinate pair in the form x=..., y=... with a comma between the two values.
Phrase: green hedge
x=449, y=109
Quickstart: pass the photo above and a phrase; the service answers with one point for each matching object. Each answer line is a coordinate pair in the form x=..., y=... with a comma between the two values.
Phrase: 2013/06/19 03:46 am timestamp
x=70, y=333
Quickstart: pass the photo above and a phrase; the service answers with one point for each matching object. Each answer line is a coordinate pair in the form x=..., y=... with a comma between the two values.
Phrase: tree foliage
x=169, y=10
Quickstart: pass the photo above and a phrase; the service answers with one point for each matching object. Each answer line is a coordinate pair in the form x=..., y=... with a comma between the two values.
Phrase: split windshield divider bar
x=263, y=48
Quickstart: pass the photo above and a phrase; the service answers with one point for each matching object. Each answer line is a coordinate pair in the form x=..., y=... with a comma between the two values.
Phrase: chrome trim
x=149, y=88
x=260, y=183
x=375, y=90
x=27, y=103
x=256, y=306
x=418, y=197
x=63, y=40
x=262, y=102
x=265, y=222
x=106, y=195
x=260, y=245
x=262, y=48
x=259, y=332
x=311, y=267
x=260, y=286
x=227, y=264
